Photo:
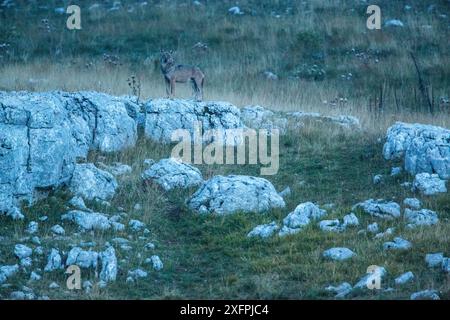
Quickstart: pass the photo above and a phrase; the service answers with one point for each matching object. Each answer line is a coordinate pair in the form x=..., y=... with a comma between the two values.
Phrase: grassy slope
x=210, y=257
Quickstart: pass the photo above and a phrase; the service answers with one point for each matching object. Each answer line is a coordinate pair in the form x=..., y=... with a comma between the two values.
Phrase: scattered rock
x=58, y=230
x=412, y=203
x=53, y=285
x=264, y=230
x=88, y=220
x=32, y=228
x=367, y=280
x=338, y=254
x=380, y=208
x=434, y=260
x=34, y=276
x=429, y=184
x=394, y=23
x=377, y=179
x=285, y=193
x=172, y=173
x=235, y=11
x=8, y=271
x=136, y=225
x=257, y=117
x=423, y=217
x=116, y=169
x=223, y=195
x=341, y=290
x=109, y=265
x=425, y=295
x=446, y=265
x=425, y=148
x=396, y=171
x=303, y=214
x=92, y=183
x=387, y=232
x=137, y=274
x=331, y=226
x=397, y=244
x=156, y=263
x=373, y=227
x=54, y=261
x=22, y=251
x=350, y=220
x=78, y=203
x=82, y=258
x=286, y=231
x=404, y=278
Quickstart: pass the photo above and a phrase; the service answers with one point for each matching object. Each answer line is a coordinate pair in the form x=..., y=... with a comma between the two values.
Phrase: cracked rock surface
x=43, y=134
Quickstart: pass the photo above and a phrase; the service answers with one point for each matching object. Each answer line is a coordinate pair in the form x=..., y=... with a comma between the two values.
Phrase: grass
x=211, y=257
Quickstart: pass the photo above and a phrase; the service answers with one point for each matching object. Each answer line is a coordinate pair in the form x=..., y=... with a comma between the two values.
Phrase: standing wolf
x=180, y=73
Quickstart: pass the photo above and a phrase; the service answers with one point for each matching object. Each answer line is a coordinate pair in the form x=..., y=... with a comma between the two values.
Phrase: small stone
x=377, y=179
x=32, y=228
x=429, y=184
x=446, y=265
x=22, y=251
x=331, y=225
x=149, y=246
x=350, y=220
x=34, y=276
x=373, y=227
x=338, y=254
x=156, y=263
x=404, y=278
x=137, y=273
x=397, y=244
x=136, y=225
x=54, y=261
x=264, y=230
x=380, y=208
x=78, y=203
x=341, y=290
x=58, y=230
x=395, y=171
x=423, y=217
x=434, y=260
x=53, y=285
x=425, y=295
x=285, y=193
x=412, y=203
x=286, y=231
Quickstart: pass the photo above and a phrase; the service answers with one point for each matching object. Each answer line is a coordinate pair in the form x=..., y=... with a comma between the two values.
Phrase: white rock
x=78, y=203
x=412, y=203
x=172, y=173
x=331, y=226
x=58, y=230
x=32, y=228
x=377, y=179
x=235, y=11
x=338, y=254
x=264, y=230
x=109, y=265
x=286, y=231
x=404, y=278
x=137, y=273
x=350, y=220
x=136, y=225
x=223, y=195
x=285, y=193
x=397, y=244
x=34, y=276
x=156, y=263
x=303, y=214
x=341, y=290
x=394, y=23
x=380, y=208
x=116, y=169
x=425, y=295
x=428, y=184
x=425, y=148
x=446, y=265
x=54, y=261
x=22, y=251
x=423, y=217
x=53, y=285
x=257, y=117
x=88, y=220
x=82, y=258
x=8, y=271
x=373, y=227
x=367, y=279
x=387, y=232
x=395, y=171
x=434, y=260
x=92, y=183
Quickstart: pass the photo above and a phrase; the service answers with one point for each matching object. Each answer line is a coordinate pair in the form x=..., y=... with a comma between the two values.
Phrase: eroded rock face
x=172, y=173
x=164, y=116
x=226, y=195
x=43, y=134
x=417, y=218
x=429, y=184
x=425, y=148
x=92, y=183
x=264, y=230
x=108, y=272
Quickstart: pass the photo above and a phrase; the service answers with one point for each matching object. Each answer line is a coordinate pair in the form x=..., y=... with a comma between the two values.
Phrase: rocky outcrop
x=380, y=208
x=172, y=173
x=226, y=195
x=43, y=134
x=425, y=148
x=257, y=117
x=164, y=116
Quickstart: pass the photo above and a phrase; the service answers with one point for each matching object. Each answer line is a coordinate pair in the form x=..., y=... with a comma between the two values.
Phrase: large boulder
x=226, y=195
x=164, y=116
x=426, y=148
x=257, y=117
x=379, y=208
x=92, y=183
x=428, y=184
x=172, y=173
x=43, y=134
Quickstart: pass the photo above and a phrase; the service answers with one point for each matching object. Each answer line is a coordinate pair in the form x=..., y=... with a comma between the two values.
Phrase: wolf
x=180, y=73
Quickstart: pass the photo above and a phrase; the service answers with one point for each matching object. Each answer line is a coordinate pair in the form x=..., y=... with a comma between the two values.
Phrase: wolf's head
x=166, y=59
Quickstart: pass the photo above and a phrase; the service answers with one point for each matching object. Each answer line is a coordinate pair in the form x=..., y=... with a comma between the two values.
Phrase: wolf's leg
x=195, y=88
x=167, y=88
x=172, y=88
